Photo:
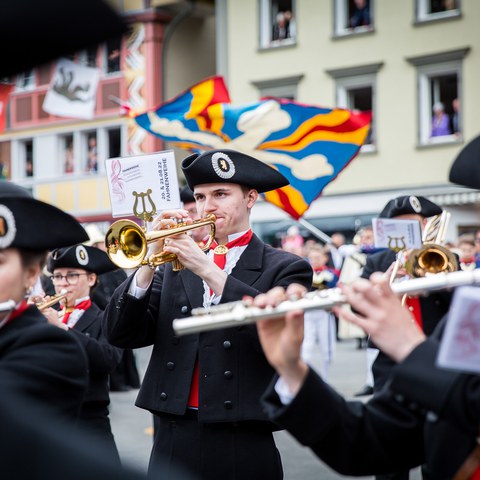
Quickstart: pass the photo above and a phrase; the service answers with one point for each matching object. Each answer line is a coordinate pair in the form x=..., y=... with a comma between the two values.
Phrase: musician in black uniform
x=75, y=270
x=205, y=388
x=424, y=415
x=37, y=361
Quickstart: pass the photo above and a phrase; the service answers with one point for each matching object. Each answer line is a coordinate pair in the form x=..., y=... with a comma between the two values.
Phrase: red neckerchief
x=19, y=309
x=220, y=251
x=220, y=259
x=413, y=305
x=84, y=305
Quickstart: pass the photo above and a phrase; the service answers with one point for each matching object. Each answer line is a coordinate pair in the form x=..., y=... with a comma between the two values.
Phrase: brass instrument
x=432, y=257
x=126, y=242
x=236, y=314
x=52, y=301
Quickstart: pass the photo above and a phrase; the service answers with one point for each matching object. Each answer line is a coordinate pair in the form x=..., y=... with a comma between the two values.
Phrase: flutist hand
x=282, y=338
x=381, y=314
x=52, y=316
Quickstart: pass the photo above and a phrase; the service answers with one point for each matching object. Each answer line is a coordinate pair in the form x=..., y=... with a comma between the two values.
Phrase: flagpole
x=316, y=231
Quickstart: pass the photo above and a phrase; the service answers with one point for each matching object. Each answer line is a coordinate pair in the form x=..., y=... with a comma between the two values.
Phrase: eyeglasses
x=70, y=278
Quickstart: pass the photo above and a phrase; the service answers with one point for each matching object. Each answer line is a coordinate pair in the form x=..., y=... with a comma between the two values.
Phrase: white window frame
x=422, y=13
x=266, y=25
x=286, y=87
x=340, y=21
x=425, y=74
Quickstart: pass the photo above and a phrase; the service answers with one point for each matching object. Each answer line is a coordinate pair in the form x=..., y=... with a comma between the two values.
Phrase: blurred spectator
x=280, y=28
x=455, y=116
x=361, y=14
x=466, y=251
x=69, y=159
x=320, y=328
x=440, y=121
x=293, y=242
x=92, y=160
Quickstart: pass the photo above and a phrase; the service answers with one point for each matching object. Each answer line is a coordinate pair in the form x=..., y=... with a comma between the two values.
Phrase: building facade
x=402, y=60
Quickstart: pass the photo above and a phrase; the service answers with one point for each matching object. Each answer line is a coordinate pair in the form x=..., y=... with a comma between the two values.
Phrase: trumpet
x=236, y=314
x=52, y=301
x=126, y=242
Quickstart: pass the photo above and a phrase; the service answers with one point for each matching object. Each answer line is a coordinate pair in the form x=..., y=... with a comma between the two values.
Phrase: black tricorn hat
x=466, y=167
x=91, y=259
x=186, y=195
x=27, y=223
x=50, y=29
x=408, y=204
x=230, y=166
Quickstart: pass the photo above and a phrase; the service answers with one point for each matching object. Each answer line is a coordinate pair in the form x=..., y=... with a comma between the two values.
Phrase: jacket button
x=170, y=365
x=227, y=345
x=163, y=396
x=228, y=374
x=184, y=309
x=228, y=405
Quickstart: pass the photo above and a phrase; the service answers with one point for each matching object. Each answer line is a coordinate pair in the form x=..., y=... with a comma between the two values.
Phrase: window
x=285, y=87
x=353, y=16
x=439, y=96
x=114, y=143
x=355, y=90
x=68, y=156
x=26, y=80
x=277, y=23
x=91, y=152
x=112, y=60
x=5, y=152
x=26, y=158
x=427, y=10
x=88, y=57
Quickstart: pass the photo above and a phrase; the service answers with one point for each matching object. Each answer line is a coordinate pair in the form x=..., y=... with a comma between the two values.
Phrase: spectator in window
x=440, y=121
x=280, y=30
x=69, y=164
x=291, y=25
x=92, y=162
x=29, y=168
x=361, y=14
x=455, y=114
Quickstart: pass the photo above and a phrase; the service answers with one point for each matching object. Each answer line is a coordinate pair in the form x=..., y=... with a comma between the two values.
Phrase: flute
x=7, y=306
x=239, y=313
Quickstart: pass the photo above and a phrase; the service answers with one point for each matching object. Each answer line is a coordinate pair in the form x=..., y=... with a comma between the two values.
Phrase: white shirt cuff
x=136, y=291
x=283, y=392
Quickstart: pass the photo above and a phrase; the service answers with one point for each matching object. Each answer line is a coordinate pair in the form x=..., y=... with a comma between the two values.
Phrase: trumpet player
x=204, y=389
x=74, y=270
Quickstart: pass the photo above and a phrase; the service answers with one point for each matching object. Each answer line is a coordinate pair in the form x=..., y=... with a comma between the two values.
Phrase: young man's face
x=229, y=202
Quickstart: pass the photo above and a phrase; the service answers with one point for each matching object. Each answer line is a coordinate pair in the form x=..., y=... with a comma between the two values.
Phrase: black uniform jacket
x=433, y=308
x=42, y=363
x=102, y=357
x=233, y=369
x=425, y=415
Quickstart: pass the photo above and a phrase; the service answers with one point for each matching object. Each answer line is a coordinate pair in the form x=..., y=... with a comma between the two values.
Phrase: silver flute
x=7, y=306
x=240, y=313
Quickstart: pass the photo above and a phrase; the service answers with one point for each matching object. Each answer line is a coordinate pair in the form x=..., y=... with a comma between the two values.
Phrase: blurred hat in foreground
x=465, y=170
x=27, y=223
x=33, y=32
x=410, y=204
x=186, y=195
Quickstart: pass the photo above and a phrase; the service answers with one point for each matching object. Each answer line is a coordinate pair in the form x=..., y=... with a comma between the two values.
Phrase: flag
x=5, y=90
x=72, y=91
x=308, y=144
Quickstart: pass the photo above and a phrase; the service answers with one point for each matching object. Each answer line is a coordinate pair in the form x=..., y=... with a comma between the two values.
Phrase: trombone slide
x=238, y=313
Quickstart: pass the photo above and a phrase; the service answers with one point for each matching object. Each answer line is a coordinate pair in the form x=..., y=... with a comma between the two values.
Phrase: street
x=133, y=433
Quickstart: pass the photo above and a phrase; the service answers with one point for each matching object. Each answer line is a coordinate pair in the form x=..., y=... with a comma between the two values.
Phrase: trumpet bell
x=126, y=244
x=430, y=260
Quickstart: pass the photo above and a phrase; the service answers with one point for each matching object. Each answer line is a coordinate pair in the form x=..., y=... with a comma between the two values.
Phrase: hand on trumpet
x=379, y=312
x=282, y=338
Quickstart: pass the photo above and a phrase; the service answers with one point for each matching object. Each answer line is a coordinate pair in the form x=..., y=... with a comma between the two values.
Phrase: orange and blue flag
x=308, y=144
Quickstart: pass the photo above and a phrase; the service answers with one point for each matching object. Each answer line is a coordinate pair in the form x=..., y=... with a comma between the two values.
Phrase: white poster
x=396, y=234
x=143, y=184
x=460, y=345
x=72, y=91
